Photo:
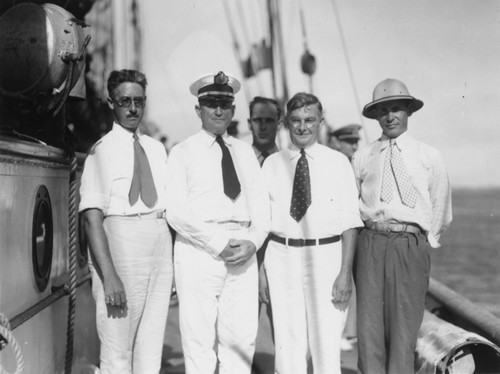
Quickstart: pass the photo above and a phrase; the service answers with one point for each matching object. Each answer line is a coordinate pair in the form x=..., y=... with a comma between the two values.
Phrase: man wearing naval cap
x=345, y=139
x=405, y=203
x=219, y=206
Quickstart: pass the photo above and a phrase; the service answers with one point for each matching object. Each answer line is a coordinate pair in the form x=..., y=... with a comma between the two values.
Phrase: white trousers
x=218, y=310
x=141, y=250
x=300, y=285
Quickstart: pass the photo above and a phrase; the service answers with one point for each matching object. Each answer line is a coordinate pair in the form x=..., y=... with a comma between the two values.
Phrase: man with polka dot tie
x=308, y=262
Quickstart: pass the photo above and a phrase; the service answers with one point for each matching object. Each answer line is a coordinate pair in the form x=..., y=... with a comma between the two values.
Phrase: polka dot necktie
x=301, y=194
x=394, y=166
x=232, y=187
x=142, y=180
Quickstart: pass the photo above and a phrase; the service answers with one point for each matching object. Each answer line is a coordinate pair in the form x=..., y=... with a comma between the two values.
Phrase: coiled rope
x=10, y=339
x=72, y=258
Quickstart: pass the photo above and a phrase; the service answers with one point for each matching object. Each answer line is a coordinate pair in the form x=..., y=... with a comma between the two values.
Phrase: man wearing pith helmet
x=219, y=206
x=405, y=203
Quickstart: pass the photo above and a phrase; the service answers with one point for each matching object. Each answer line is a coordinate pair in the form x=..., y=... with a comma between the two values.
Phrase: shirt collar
x=274, y=149
x=294, y=151
x=209, y=139
x=400, y=141
x=124, y=133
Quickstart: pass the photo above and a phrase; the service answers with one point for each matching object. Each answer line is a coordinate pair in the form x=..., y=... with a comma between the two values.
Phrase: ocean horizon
x=469, y=259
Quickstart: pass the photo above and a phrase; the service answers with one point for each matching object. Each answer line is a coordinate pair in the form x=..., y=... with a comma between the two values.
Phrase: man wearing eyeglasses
x=123, y=208
x=218, y=205
x=308, y=261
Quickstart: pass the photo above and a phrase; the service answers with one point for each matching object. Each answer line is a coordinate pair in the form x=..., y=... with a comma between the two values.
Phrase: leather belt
x=394, y=227
x=303, y=242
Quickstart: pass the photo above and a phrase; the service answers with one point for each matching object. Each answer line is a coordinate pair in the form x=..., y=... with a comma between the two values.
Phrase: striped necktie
x=301, y=194
x=142, y=180
x=232, y=187
x=394, y=166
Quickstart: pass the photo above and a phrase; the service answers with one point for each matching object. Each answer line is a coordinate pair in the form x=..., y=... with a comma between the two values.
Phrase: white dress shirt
x=109, y=167
x=334, y=206
x=196, y=202
x=428, y=173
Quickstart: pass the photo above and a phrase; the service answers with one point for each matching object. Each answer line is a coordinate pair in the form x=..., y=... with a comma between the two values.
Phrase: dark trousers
x=392, y=277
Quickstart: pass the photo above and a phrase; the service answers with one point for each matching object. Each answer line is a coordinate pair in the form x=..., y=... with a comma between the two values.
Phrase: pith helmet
x=390, y=90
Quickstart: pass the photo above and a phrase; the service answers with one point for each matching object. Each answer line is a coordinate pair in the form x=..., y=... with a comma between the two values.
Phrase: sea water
x=469, y=260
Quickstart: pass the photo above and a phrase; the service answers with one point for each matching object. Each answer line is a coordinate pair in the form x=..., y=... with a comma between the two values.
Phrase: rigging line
x=247, y=41
x=349, y=68
x=236, y=46
x=281, y=52
x=303, y=25
x=304, y=39
x=136, y=27
x=271, y=42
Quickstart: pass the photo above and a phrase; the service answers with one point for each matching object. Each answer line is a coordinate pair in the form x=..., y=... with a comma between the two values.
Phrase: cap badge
x=221, y=78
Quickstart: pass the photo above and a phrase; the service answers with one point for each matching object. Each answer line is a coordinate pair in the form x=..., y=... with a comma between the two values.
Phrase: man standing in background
x=219, y=207
x=345, y=139
x=265, y=117
x=405, y=203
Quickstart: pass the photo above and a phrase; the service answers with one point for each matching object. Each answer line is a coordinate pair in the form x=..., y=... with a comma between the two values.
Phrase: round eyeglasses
x=309, y=122
x=126, y=101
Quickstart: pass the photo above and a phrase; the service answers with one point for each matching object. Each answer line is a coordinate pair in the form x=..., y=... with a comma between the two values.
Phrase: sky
x=446, y=51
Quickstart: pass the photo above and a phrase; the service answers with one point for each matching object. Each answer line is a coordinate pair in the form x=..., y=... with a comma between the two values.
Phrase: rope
x=7, y=338
x=349, y=68
x=72, y=266
x=236, y=47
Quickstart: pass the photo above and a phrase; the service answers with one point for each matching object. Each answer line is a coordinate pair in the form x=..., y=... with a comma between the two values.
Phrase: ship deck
x=173, y=361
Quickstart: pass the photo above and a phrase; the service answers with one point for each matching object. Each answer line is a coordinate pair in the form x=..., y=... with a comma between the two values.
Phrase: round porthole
x=42, y=238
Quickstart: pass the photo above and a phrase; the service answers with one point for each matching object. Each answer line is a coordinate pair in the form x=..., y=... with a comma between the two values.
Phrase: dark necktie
x=232, y=187
x=263, y=157
x=301, y=195
x=142, y=180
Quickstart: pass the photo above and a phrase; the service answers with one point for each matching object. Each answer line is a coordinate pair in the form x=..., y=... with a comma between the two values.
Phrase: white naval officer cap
x=219, y=86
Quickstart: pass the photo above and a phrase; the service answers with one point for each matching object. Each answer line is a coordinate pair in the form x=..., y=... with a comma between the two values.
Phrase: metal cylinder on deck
x=42, y=53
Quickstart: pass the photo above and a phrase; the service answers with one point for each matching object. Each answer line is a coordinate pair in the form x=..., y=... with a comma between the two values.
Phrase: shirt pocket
x=122, y=179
